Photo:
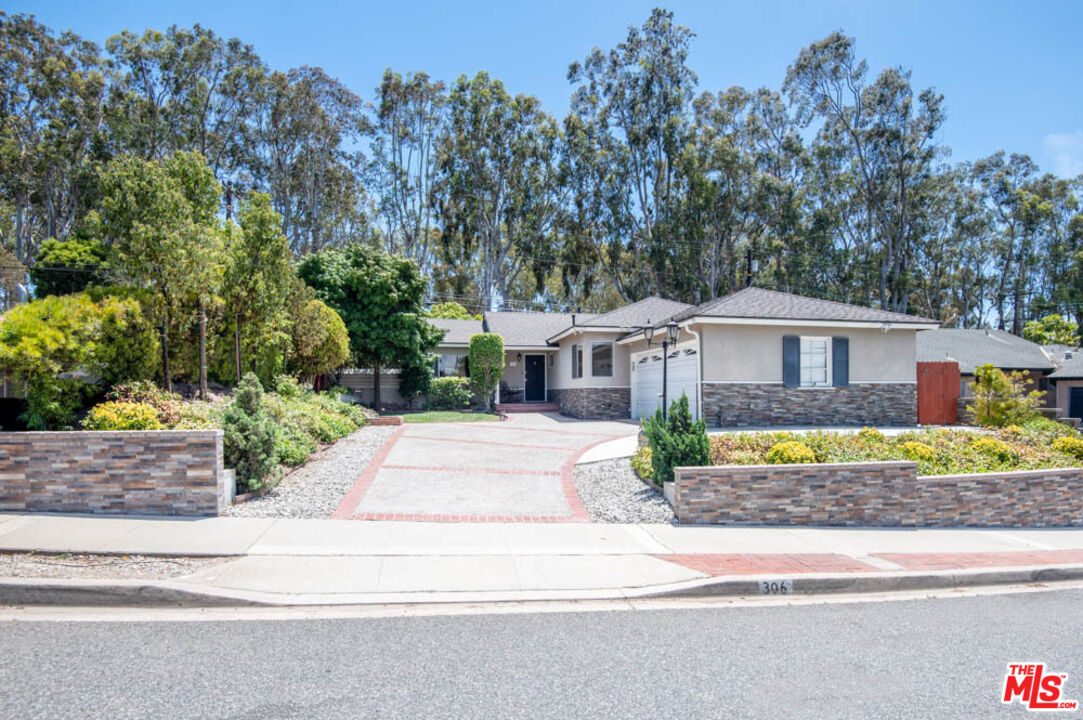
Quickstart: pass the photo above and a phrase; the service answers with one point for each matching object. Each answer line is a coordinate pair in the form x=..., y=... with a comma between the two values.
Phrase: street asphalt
x=927, y=658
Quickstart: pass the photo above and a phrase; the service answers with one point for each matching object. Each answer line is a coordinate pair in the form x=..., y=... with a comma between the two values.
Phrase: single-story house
x=1066, y=382
x=974, y=347
x=755, y=357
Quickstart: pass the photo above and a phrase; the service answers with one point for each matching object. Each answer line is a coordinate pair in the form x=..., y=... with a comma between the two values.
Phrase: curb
x=99, y=593
x=818, y=584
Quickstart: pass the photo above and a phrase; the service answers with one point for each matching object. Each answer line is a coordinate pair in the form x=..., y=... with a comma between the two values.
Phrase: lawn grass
x=430, y=416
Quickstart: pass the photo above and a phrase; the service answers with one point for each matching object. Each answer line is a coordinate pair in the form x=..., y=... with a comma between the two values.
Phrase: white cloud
x=1066, y=150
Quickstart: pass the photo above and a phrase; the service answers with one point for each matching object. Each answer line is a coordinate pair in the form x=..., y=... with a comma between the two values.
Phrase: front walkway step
x=527, y=408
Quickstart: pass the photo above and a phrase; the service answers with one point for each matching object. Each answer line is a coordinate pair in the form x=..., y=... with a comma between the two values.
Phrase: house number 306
x=776, y=587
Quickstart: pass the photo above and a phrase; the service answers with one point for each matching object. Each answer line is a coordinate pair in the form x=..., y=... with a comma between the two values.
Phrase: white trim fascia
x=658, y=349
x=594, y=387
x=742, y=382
x=531, y=348
x=578, y=329
x=885, y=326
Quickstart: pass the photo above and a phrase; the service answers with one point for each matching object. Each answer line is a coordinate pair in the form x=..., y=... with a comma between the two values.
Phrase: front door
x=1075, y=402
x=535, y=378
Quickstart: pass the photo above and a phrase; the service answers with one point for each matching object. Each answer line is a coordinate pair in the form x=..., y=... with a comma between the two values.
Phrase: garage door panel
x=682, y=375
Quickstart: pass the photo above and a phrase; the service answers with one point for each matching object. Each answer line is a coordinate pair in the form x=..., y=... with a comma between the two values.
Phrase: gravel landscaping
x=102, y=567
x=315, y=489
x=613, y=493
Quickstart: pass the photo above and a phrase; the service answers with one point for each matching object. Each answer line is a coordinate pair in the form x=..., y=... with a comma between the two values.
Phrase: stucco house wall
x=743, y=385
x=590, y=396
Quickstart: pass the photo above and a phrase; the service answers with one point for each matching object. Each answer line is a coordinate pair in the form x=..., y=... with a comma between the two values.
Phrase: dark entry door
x=1075, y=402
x=535, y=378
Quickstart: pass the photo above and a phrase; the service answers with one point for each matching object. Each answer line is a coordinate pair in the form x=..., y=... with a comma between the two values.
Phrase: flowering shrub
x=122, y=416
x=790, y=452
x=994, y=447
x=1069, y=446
x=918, y=451
x=871, y=434
x=641, y=463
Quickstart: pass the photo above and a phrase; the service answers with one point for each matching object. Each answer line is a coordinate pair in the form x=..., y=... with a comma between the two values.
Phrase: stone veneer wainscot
x=158, y=472
x=752, y=405
x=612, y=403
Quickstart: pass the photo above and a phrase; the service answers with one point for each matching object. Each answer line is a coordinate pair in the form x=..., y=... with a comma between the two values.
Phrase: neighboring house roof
x=971, y=348
x=760, y=304
x=530, y=329
x=652, y=310
x=458, y=331
x=1069, y=362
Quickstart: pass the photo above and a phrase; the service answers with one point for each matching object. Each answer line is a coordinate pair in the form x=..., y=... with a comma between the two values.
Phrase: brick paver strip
x=959, y=561
x=353, y=496
x=760, y=564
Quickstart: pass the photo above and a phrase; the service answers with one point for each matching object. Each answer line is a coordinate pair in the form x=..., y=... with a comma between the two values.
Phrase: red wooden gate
x=938, y=392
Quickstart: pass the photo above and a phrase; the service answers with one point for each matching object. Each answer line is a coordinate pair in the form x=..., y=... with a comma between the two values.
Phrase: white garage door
x=683, y=376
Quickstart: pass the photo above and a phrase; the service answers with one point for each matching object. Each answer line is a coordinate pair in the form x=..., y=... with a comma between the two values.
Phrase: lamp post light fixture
x=673, y=331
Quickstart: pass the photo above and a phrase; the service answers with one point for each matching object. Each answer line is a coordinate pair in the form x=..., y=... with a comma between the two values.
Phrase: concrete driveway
x=517, y=470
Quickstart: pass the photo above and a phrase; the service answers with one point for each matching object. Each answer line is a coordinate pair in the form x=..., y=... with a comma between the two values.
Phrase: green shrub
x=250, y=436
x=293, y=446
x=320, y=340
x=122, y=416
x=675, y=441
x=918, y=451
x=486, y=365
x=1069, y=446
x=415, y=380
x=869, y=434
x=1001, y=399
x=449, y=393
x=790, y=452
x=1044, y=430
x=641, y=463
x=993, y=447
x=288, y=387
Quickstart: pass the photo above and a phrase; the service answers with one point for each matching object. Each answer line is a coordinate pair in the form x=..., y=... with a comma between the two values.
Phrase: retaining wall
x=889, y=494
x=159, y=472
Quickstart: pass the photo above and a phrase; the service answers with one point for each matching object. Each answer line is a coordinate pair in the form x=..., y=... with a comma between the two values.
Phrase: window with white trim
x=577, y=361
x=815, y=362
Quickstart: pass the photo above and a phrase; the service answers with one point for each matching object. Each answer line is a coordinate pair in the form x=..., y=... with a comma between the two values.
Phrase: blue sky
x=1009, y=70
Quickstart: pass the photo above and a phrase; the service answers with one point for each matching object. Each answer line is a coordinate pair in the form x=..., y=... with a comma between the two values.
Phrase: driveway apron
x=517, y=470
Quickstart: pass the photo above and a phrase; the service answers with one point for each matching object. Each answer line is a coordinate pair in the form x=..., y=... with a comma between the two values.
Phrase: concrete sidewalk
x=331, y=562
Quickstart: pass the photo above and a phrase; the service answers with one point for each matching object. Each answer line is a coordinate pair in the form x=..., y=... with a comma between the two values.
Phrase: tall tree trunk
x=237, y=343
x=376, y=387
x=165, y=353
x=202, y=351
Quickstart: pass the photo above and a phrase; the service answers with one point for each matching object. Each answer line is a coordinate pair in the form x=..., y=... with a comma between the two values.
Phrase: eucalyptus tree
x=309, y=131
x=409, y=121
x=884, y=138
x=185, y=89
x=628, y=127
x=51, y=95
x=499, y=195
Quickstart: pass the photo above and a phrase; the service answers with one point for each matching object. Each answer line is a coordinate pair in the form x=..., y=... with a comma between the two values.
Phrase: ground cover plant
x=1037, y=444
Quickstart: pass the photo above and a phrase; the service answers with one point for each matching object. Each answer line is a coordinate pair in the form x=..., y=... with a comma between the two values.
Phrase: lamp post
x=670, y=338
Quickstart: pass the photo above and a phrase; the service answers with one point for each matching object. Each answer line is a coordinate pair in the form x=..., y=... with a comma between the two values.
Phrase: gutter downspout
x=699, y=372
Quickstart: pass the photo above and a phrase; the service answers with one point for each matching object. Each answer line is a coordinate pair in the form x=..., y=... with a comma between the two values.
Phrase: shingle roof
x=758, y=303
x=530, y=329
x=458, y=331
x=1069, y=361
x=971, y=348
x=652, y=310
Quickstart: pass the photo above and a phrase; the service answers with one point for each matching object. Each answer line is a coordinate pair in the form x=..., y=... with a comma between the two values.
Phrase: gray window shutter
x=840, y=361
x=791, y=360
